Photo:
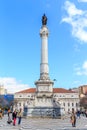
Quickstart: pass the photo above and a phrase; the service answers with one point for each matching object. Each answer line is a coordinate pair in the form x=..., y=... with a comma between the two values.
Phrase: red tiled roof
x=62, y=90
x=55, y=90
x=30, y=90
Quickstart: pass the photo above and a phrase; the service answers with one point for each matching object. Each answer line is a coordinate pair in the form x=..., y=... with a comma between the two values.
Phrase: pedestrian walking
x=73, y=118
x=9, y=119
x=86, y=113
x=14, y=116
x=0, y=113
x=19, y=116
x=8, y=112
x=78, y=114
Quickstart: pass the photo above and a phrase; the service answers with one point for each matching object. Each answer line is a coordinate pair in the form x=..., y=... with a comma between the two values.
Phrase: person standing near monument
x=9, y=112
x=0, y=113
x=73, y=118
x=14, y=116
x=19, y=116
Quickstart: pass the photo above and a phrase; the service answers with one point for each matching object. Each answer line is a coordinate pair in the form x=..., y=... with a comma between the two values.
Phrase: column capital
x=44, y=31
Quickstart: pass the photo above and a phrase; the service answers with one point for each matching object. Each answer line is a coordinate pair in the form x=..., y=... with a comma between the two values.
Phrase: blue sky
x=20, y=42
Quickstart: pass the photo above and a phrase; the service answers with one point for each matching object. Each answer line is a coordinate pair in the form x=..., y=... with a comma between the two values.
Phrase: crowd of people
x=13, y=117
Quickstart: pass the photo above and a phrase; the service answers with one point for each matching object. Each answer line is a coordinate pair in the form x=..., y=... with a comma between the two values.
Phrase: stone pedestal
x=43, y=112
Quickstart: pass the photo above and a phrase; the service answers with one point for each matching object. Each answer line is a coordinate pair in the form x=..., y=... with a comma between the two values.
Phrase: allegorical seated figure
x=44, y=20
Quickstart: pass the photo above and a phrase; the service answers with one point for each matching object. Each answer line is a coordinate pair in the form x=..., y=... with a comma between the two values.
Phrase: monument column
x=44, y=68
x=44, y=84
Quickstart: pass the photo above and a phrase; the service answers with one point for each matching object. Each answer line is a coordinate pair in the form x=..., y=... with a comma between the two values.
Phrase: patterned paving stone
x=44, y=124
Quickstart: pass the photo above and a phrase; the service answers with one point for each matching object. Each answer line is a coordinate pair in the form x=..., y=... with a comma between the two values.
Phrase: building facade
x=83, y=91
x=65, y=99
x=2, y=90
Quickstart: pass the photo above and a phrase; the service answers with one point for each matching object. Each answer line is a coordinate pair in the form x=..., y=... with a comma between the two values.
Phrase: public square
x=44, y=124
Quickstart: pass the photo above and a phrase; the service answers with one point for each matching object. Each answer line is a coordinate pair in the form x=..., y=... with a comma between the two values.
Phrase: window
x=68, y=104
x=76, y=104
x=68, y=110
x=54, y=101
x=72, y=104
x=63, y=104
x=19, y=104
x=27, y=102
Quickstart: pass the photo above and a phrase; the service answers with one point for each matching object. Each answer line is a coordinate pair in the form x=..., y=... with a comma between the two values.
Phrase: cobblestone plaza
x=44, y=124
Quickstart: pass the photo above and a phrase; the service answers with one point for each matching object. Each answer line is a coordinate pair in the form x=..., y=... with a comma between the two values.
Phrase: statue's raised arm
x=44, y=20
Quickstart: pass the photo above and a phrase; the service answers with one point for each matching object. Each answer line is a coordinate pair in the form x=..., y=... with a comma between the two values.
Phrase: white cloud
x=71, y=9
x=82, y=0
x=77, y=18
x=85, y=65
x=82, y=70
x=12, y=85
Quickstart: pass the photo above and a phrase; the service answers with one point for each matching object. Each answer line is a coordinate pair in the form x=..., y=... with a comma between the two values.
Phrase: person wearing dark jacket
x=14, y=116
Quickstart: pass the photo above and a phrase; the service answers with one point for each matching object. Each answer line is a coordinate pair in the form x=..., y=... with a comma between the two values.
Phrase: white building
x=67, y=99
x=44, y=99
x=3, y=91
